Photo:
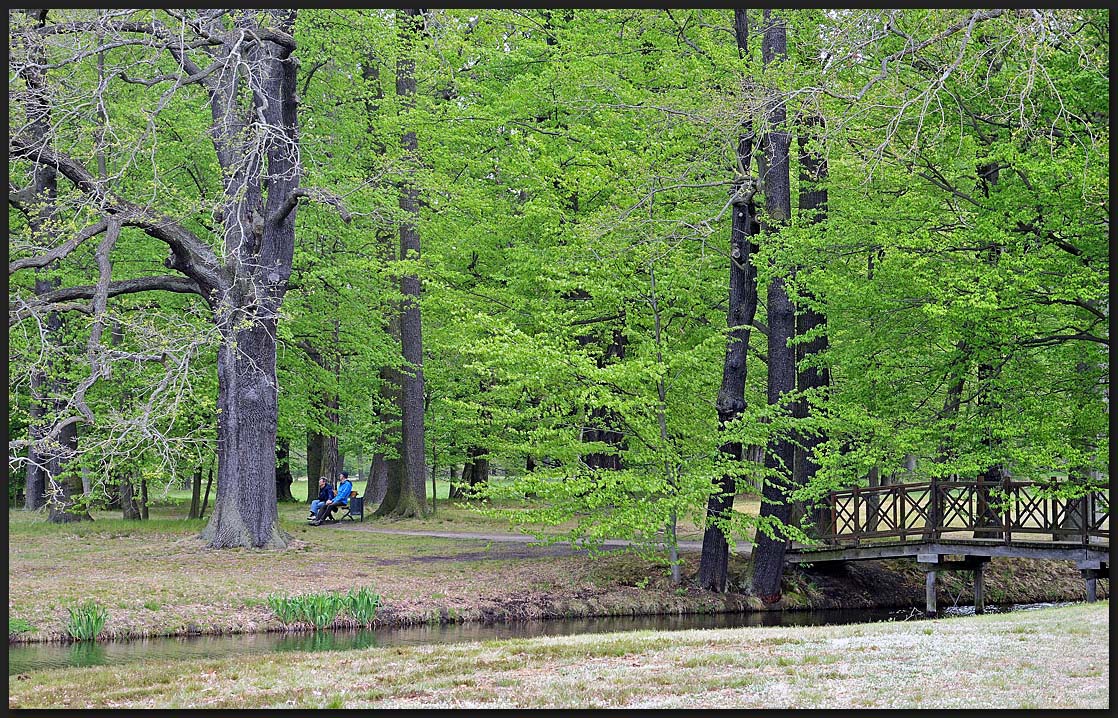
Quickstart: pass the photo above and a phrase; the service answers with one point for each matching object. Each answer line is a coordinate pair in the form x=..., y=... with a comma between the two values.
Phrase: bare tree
x=240, y=64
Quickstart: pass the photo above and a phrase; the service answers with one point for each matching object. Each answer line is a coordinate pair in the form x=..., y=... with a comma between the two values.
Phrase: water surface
x=25, y=658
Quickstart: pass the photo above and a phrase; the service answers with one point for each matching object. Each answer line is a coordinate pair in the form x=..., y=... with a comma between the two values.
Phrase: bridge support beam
x=1091, y=577
x=930, y=592
x=979, y=590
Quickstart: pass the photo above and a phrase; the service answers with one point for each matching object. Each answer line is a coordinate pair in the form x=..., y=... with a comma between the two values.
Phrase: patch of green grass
x=86, y=620
x=152, y=605
x=321, y=609
x=19, y=625
x=361, y=603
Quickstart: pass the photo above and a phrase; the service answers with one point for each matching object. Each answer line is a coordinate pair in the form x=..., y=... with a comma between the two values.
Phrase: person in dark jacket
x=345, y=488
x=325, y=493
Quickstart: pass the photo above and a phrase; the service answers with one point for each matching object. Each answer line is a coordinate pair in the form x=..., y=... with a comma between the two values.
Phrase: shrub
x=86, y=620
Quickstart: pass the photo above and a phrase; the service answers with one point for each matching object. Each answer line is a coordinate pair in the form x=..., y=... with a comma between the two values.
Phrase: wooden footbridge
x=961, y=525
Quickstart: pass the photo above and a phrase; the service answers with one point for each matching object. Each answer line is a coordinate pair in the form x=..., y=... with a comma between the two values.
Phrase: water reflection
x=86, y=653
x=23, y=658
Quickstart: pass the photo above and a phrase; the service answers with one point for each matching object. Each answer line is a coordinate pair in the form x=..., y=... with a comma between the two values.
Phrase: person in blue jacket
x=325, y=493
x=345, y=488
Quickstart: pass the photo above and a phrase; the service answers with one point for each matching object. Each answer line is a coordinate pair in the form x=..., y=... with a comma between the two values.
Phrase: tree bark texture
x=284, y=478
x=475, y=471
x=40, y=212
x=413, y=501
x=813, y=203
x=768, y=556
x=129, y=506
x=389, y=471
x=196, y=493
x=314, y=464
x=260, y=237
x=714, y=561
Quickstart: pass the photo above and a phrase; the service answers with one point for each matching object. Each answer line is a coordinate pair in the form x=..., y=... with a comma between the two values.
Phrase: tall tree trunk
x=130, y=507
x=475, y=471
x=284, y=478
x=196, y=493
x=388, y=472
x=331, y=464
x=813, y=204
x=603, y=422
x=64, y=487
x=40, y=212
x=245, y=511
x=143, y=498
x=413, y=496
x=714, y=562
x=377, y=483
x=314, y=463
x=768, y=557
x=206, y=496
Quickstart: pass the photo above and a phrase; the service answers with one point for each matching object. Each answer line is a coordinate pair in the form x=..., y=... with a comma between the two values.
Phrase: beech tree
x=740, y=312
x=581, y=180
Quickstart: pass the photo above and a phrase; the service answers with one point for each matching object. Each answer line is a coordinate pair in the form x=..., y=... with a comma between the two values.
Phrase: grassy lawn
x=155, y=577
x=1052, y=658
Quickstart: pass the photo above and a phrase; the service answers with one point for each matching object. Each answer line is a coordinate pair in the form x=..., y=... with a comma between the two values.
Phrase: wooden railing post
x=933, y=508
x=1007, y=519
x=1085, y=509
x=857, y=493
x=832, y=499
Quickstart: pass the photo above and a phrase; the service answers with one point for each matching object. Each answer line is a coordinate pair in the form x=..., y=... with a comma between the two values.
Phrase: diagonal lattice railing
x=930, y=510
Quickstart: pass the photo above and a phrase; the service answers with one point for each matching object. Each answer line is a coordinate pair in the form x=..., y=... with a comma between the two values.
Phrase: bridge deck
x=1095, y=555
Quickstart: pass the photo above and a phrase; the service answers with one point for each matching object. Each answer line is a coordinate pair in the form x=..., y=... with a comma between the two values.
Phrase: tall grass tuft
x=317, y=609
x=86, y=620
x=284, y=607
x=321, y=609
x=362, y=605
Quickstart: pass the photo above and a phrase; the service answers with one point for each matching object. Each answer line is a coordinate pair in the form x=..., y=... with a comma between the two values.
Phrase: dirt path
x=530, y=545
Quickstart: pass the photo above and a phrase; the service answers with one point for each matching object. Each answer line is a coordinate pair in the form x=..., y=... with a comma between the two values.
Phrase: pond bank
x=615, y=584
x=969, y=662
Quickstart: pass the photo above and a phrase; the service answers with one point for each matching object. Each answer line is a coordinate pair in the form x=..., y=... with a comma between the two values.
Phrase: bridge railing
x=935, y=509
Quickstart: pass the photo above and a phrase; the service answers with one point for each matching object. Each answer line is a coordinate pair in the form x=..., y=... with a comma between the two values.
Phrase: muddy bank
x=624, y=584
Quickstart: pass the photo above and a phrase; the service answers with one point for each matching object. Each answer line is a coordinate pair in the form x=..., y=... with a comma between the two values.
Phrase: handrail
x=992, y=510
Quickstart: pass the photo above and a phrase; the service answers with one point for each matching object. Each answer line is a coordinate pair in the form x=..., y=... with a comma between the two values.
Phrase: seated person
x=325, y=493
x=345, y=488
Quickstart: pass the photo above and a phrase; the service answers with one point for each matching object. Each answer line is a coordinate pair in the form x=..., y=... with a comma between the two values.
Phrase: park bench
x=354, y=510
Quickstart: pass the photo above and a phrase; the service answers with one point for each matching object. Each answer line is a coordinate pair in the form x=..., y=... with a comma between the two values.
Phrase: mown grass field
x=1050, y=658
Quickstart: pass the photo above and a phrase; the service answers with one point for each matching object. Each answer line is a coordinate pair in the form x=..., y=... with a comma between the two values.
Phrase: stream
x=28, y=657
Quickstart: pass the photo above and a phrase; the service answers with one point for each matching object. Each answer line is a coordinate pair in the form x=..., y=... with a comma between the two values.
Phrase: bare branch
x=190, y=255
x=318, y=195
x=166, y=283
x=43, y=260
